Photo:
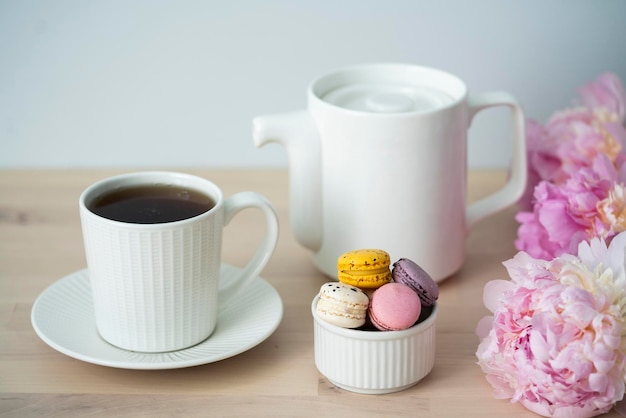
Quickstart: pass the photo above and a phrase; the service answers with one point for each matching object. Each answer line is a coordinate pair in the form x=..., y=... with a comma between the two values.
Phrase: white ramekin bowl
x=374, y=362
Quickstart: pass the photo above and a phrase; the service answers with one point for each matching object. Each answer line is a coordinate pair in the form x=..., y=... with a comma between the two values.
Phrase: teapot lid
x=387, y=97
x=388, y=88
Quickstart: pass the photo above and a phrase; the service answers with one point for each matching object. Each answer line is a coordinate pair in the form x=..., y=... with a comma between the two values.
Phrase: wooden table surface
x=40, y=242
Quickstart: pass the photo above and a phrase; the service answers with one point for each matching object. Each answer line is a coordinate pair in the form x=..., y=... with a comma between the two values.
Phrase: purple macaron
x=407, y=272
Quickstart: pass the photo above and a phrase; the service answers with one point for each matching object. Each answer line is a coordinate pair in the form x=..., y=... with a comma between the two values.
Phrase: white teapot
x=379, y=160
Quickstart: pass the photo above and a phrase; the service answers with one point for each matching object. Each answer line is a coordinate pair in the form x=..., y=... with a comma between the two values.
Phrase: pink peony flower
x=573, y=137
x=543, y=161
x=605, y=92
x=554, y=341
x=591, y=203
x=583, y=133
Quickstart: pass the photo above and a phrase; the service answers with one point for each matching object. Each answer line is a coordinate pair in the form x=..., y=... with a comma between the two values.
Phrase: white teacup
x=155, y=285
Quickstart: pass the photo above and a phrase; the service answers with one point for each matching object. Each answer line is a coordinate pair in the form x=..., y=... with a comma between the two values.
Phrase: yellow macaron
x=366, y=268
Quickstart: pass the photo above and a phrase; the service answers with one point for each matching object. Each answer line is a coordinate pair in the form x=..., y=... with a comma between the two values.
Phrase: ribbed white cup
x=374, y=362
x=155, y=286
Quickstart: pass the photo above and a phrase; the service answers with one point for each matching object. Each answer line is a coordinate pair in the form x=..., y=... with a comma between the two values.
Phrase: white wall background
x=112, y=83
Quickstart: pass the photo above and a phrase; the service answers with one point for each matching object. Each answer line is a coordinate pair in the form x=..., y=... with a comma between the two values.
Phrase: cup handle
x=516, y=183
x=233, y=205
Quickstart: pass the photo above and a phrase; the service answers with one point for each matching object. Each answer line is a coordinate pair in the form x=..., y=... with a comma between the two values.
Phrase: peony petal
x=554, y=216
x=598, y=382
x=616, y=252
x=484, y=326
x=590, y=253
x=493, y=293
x=539, y=347
x=603, y=166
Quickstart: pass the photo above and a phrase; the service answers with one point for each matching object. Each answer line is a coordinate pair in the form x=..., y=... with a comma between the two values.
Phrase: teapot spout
x=296, y=131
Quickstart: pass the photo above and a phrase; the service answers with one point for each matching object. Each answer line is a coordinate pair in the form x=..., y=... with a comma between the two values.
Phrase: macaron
x=407, y=272
x=342, y=305
x=366, y=268
x=394, y=307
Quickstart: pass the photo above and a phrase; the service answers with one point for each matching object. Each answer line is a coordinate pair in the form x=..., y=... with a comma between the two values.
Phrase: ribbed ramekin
x=374, y=362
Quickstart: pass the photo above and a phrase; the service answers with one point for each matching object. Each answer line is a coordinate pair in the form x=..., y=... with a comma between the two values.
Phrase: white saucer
x=63, y=318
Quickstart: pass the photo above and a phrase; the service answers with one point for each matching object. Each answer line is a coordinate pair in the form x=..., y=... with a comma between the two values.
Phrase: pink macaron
x=394, y=307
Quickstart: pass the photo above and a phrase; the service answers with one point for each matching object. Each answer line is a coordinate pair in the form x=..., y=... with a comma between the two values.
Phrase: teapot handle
x=516, y=183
